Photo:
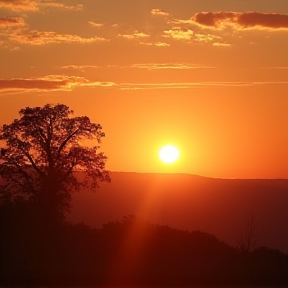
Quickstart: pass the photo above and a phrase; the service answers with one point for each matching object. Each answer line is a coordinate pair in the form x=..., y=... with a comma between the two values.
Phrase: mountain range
x=227, y=208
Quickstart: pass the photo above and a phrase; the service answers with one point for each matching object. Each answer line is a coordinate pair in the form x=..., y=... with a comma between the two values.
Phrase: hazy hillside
x=222, y=207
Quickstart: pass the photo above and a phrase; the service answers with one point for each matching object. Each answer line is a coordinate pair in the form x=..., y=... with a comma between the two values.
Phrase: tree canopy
x=41, y=151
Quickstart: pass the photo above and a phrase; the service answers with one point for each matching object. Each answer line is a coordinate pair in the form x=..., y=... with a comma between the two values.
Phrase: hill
x=222, y=207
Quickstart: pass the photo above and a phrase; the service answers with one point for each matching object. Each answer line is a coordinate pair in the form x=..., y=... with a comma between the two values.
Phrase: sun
x=169, y=154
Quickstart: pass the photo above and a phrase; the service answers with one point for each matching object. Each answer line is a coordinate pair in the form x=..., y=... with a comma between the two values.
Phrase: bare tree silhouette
x=247, y=239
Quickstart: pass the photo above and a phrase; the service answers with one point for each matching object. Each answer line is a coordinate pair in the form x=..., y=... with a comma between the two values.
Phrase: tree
x=247, y=239
x=42, y=150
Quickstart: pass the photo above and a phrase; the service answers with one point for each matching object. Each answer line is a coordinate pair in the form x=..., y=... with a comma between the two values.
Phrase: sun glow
x=169, y=154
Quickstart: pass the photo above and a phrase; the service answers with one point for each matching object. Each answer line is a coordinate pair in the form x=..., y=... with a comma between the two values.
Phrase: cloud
x=148, y=66
x=60, y=6
x=81, y=68
x=158, y=12
x=68, y=83
x=36, y=37
x=161, y=44
x=219, y=44
x=14, y=31
x=48, y=83
x=177, y=66
x=97, y=25
x=179, y=33
x=272, y=21
x=19, y=5
x=135, y=35
x=158, y=44
x=184, y=34
x=189, y=85
x=175, y=21
x=11, y=21
x=33, y=6
x=206, y=38
x=277, y=67
x=247, y=20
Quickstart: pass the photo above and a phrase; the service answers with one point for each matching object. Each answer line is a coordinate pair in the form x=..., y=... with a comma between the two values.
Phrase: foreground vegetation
x=130, y=252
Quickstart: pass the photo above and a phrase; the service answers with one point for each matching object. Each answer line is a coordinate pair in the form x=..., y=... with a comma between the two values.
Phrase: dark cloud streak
x=51, y=82
x=11, y=21
x=242, y=20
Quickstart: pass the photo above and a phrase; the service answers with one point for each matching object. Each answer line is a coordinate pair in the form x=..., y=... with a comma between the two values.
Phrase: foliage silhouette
x=42, y=149
x=131, y=252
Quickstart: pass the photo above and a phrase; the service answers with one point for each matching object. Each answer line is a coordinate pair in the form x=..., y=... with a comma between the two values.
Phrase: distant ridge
x=219, y=206
x=190, y=174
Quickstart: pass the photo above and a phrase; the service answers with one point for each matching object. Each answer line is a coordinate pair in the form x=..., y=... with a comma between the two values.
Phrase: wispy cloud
x=277, y=67
x=161, y=44
x=94, y=24
x=81, y=68
x=48, y=83
x=68, y=83
x=147, y=66
x=158, y=44
x=135, y=35
x=189, y=36
x=179, y=33
x=19, y=5
x=158, y=12
x=247, y=20
x=178, y=66
x=33, y=6
x=36, y=37
x=60, y=6
x=11, y=21
x=220, y=44
x=15, y=31
x=189, y=85
x=200, y=37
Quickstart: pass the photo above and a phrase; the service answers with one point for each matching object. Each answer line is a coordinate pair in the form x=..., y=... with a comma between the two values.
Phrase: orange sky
x=210, y=77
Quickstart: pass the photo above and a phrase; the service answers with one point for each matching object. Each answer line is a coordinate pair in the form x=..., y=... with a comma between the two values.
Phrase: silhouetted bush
x=131, y=251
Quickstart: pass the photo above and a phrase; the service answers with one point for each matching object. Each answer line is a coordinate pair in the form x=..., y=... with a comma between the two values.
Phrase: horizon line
x=197, y=175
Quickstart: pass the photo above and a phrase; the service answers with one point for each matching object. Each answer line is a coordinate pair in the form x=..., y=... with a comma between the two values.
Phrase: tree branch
x=34, y=165
x=65, y=142
x=43, y=135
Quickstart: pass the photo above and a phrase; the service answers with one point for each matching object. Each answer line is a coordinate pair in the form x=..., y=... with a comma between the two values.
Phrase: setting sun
x=169, y=154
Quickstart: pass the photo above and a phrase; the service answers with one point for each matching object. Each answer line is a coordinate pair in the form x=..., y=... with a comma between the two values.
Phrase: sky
x=210, y=77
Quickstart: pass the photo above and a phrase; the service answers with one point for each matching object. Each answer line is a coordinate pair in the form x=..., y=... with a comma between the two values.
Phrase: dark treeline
x=36, y=251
